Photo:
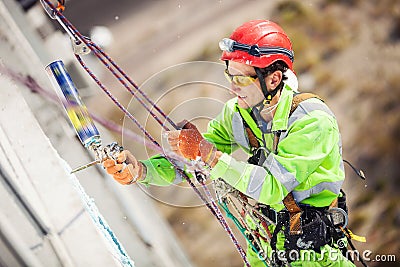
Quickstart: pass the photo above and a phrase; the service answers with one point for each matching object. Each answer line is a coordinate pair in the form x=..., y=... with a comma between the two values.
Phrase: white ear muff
x=291, y=80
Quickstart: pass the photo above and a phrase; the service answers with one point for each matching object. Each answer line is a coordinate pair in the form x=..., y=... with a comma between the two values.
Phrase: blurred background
x=346, y=51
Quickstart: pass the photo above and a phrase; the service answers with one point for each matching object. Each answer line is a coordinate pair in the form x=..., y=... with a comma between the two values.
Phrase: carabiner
x=51, y=10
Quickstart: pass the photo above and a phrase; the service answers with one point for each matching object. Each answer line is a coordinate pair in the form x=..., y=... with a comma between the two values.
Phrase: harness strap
x=252, y=138
x=295, y=213
x=300, y=97
x=274, y=241
x=277, y=135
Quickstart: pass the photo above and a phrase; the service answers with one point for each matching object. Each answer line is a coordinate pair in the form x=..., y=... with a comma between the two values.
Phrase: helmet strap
x=267, y=95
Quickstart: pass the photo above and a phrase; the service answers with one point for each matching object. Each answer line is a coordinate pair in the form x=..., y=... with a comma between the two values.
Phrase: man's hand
x=189, y=143
x=132, y=171
x=209, y=154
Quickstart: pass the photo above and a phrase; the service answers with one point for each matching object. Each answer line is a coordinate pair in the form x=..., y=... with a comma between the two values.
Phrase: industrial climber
x=295, y=167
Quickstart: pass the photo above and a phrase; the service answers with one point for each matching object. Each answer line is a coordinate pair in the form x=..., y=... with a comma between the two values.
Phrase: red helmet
x=258, y=43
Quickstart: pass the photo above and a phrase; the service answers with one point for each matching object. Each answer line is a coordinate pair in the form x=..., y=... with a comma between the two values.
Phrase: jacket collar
x=281, y=117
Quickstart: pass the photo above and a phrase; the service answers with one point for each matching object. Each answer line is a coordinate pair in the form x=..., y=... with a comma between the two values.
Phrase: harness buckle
x=338, y=217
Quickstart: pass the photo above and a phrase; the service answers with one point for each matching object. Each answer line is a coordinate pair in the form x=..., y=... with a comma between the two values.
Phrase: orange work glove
x=133, y=171
x=189, y=143
x=185, y=142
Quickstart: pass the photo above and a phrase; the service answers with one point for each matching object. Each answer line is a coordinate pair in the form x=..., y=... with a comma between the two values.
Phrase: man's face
x=248, y=96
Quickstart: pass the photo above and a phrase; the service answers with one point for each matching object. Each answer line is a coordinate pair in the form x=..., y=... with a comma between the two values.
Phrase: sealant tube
x=74, y=107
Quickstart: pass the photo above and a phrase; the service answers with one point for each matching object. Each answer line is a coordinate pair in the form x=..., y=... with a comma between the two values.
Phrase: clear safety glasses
x=240, y=80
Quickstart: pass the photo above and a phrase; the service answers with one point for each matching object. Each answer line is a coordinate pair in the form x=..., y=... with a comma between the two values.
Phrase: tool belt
x=317, y=228
x=314, y=229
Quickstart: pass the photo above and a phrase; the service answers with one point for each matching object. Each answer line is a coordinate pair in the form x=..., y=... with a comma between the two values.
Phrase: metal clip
x=338, y=217
x=112, y=150
x=48, y=9
x=109, y=151
x=79, y=47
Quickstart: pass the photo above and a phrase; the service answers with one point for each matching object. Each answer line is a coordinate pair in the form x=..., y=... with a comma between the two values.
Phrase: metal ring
x=339, y=210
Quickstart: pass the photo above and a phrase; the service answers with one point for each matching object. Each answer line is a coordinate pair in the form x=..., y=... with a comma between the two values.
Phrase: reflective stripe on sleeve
x=286, y=178
x=256, y=182
x=331, y=186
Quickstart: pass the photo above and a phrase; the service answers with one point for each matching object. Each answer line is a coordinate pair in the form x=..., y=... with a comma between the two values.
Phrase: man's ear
x=274, y=79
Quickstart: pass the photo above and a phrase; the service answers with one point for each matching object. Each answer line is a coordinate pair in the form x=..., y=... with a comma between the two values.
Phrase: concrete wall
x=42, y=218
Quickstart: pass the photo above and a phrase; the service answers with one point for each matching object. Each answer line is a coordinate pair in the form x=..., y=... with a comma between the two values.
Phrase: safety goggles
x=240, y=80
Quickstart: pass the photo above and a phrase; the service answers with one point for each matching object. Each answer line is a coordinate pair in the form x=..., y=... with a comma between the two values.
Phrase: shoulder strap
x=300, y=97
x=252, y=138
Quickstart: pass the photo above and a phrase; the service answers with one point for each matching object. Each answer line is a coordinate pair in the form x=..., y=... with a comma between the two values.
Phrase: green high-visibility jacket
x=308, y=161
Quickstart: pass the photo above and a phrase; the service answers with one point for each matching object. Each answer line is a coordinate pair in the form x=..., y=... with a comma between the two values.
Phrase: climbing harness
x=81, y=46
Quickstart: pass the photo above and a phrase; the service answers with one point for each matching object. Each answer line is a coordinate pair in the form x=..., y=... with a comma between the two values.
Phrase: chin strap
x=261, y=123
x=268, y=95
x=267, y=98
